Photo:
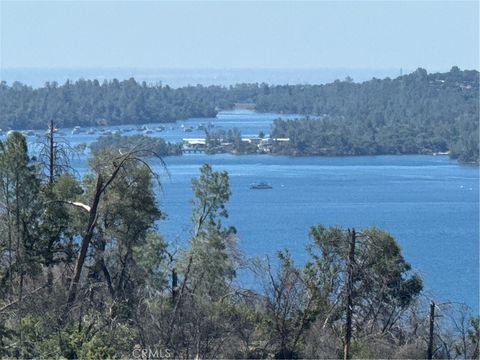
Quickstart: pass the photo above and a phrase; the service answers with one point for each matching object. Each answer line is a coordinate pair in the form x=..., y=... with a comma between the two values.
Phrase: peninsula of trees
x=411, y=114
x=121, y=143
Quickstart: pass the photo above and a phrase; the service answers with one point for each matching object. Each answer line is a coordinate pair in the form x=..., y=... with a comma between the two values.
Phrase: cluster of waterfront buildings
x=261, y=144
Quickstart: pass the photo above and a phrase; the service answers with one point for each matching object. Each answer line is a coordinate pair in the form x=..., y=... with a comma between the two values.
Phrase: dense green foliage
x=85, y=273
x=117, y=142
x=415, y=113
x=327, y=136
x=89, y=103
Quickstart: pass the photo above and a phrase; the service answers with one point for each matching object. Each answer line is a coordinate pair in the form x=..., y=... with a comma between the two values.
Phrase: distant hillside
x=414, y=113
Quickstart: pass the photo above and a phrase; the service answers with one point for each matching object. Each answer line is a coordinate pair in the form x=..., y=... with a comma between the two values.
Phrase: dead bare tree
x=54, y=154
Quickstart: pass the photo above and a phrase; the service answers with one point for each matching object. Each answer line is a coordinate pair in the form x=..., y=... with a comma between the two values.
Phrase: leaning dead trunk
x=100, y=188
x=92, y=221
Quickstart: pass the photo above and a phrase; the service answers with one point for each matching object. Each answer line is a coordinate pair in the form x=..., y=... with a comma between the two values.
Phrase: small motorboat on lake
x=261, y=186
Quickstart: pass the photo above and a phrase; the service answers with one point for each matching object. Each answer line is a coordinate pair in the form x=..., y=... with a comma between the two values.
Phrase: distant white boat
x=76, y=130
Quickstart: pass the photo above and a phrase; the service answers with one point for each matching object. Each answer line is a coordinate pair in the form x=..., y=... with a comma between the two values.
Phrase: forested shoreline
x=418, y=113
x=86, y=273
x=117, y=142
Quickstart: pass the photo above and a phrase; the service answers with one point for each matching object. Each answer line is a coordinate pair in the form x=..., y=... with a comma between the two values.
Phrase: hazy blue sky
x=381, y=34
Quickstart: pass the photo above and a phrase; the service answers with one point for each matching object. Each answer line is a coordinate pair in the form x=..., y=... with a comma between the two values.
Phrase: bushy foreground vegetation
x=85, y=273
x=412, y=114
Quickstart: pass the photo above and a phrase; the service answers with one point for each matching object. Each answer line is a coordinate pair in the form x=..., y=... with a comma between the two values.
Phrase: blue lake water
x=430, y=204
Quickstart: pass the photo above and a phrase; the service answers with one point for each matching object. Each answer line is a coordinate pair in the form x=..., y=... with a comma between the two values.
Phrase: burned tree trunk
x=349, y=286
x=430, y=333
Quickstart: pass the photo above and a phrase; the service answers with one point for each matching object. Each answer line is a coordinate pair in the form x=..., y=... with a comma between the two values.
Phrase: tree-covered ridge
x=328, y=136
x=90, y=103
x=414, y=113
